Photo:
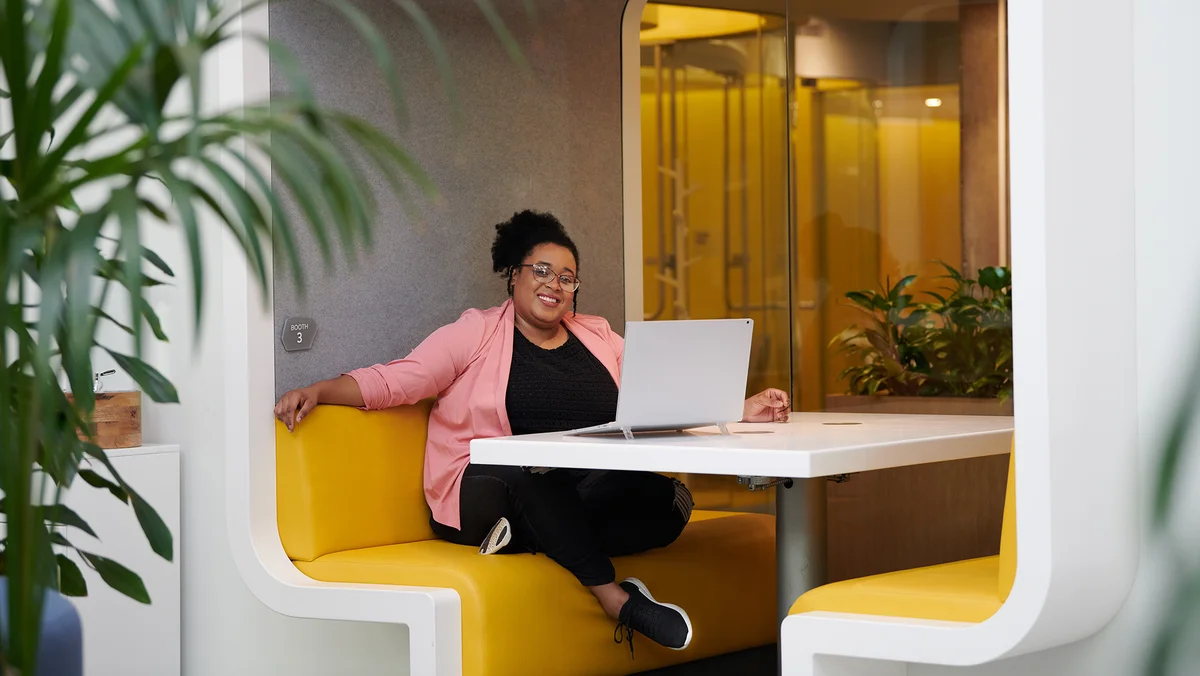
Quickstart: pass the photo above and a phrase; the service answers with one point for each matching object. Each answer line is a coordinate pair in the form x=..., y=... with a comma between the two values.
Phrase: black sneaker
x=497, y=538
x=663, y=623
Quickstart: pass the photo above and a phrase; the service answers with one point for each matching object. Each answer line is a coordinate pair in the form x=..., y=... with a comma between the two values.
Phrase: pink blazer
x=465, y=365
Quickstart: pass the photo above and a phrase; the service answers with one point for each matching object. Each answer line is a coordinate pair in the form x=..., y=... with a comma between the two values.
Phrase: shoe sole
x=686, y=620
x=497, y=538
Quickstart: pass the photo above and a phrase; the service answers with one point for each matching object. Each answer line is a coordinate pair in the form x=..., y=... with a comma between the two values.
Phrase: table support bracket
x=762, y=483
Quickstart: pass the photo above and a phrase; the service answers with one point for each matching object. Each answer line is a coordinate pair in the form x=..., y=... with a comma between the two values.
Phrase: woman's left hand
x=770, y=405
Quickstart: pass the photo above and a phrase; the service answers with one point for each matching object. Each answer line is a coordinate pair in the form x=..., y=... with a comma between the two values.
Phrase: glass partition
x=715, y=190
x=836, y=170
x=714, y=174
x=898, y=209
x=899, y=243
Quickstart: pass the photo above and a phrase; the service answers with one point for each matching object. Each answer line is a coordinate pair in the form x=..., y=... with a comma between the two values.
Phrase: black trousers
x=577, y=518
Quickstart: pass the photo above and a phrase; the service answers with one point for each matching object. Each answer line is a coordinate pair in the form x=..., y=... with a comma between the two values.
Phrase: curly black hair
x=517, y=237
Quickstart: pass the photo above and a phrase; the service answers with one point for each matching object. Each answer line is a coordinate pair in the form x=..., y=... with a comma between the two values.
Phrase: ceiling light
x=933, y=103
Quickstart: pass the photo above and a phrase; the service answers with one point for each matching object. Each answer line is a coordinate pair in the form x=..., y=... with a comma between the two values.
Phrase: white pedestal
x=122, y=637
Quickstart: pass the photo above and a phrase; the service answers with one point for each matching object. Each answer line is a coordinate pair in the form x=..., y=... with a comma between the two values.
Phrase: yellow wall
x=921, y=207
x=880, y=201
x=889, y=208
x=700, y=113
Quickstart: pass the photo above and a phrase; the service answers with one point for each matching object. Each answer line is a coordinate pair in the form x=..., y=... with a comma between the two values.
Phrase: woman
x=533, y=365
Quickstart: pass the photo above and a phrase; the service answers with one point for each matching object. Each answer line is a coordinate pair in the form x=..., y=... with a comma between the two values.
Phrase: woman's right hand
x=295, y=405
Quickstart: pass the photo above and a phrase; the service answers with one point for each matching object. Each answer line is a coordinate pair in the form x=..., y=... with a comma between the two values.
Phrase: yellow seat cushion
x=962, y=591
x=523, y=614
x=348, y=479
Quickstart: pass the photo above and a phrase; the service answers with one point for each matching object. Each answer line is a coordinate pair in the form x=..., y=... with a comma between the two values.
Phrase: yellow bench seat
x=963, y=591
x=351, y=510
x=524, y=614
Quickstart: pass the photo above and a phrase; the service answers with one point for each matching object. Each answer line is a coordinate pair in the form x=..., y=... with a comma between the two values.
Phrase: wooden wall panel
x=984, y=145
x=916, y=516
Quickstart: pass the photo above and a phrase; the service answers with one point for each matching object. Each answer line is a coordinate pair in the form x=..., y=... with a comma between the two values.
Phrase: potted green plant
x=950, y=353
x=106, y=98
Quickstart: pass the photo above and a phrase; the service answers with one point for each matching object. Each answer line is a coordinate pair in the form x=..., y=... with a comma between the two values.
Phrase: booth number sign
x=298, y=333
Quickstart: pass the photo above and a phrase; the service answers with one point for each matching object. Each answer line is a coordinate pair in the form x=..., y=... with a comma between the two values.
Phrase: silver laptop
x=677, y=375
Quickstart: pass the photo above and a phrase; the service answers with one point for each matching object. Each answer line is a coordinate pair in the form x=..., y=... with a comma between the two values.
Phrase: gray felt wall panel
x=549, y=140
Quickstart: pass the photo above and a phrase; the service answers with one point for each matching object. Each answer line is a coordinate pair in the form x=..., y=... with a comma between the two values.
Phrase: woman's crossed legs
x=580, y=519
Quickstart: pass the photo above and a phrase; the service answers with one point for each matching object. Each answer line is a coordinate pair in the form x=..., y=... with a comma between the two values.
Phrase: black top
x=557, y=390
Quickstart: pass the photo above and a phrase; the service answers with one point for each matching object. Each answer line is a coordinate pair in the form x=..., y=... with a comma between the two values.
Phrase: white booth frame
x=1072, y=211
x=1078, y=509
x=433, y=616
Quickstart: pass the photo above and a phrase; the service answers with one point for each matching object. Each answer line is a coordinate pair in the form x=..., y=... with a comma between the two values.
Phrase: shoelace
x=624, y=634
x=683, y=500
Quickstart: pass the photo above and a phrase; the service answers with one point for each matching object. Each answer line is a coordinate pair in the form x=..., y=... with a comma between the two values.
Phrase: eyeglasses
x=544, y=274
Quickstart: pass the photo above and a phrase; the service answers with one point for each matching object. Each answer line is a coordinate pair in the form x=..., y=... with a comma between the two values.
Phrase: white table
x=808, y=449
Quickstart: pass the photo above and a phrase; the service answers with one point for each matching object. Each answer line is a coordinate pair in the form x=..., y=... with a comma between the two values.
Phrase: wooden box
x=117, y=420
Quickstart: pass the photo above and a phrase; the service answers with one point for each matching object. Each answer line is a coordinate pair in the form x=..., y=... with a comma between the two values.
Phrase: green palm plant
x=970, y=346
x=1172, y=650
x=97, y=101
x=888, y=354
x=957, y=344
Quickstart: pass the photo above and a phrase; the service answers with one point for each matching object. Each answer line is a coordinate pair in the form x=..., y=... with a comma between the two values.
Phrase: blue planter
x=61, y=650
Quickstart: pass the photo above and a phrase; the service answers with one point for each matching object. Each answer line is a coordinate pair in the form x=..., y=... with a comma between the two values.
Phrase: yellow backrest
x=1008, y=531
x=348, y=479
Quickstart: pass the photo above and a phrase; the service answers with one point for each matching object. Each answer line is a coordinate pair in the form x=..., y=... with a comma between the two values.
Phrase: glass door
x=714, y=103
